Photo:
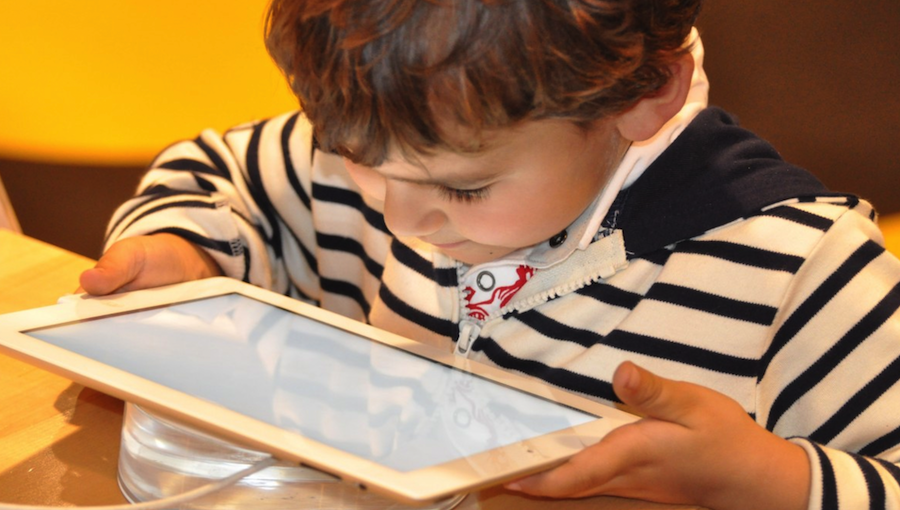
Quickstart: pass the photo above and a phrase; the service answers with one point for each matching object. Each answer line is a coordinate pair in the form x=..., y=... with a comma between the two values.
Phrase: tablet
x=271, y=373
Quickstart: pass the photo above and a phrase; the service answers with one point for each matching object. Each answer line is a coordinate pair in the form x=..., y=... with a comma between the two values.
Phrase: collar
x=715, y=173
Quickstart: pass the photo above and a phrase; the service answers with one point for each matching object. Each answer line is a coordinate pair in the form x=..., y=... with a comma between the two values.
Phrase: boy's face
x=527, y=185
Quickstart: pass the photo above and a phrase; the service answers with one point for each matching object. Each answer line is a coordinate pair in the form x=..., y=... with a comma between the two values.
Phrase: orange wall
x=113, y=82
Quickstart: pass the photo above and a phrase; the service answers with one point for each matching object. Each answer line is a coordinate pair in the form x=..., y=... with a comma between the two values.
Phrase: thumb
x=651, y=395
x=115, y=269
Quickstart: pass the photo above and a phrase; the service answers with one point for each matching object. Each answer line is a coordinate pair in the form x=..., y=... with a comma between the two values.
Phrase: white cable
x=160, y=504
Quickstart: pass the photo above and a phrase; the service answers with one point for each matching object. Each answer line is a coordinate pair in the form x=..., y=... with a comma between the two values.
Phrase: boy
x=538, y=185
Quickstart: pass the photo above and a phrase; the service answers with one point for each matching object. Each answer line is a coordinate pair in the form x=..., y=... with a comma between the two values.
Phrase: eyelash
x=467, y=196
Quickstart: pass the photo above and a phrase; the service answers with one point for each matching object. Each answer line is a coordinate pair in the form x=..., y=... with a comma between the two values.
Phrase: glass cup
x=161, y=458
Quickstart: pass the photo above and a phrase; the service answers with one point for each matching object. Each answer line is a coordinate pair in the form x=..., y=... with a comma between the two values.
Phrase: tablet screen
x=346, y=391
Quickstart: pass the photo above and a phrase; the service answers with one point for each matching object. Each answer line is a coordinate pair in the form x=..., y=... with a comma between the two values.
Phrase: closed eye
x=467, y=196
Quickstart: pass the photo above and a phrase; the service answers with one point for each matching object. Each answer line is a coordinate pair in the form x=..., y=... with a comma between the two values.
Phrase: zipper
x=468, y=333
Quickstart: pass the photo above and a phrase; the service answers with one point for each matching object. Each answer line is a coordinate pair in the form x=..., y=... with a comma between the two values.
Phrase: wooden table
x=58, y=440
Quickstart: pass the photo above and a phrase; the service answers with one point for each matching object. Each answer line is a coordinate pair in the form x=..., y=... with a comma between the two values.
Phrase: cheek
x=369, y=181
x=524, y=217
x=516, y=223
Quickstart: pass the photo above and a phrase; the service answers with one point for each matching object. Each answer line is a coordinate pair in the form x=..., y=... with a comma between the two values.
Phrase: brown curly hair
x=374, y=76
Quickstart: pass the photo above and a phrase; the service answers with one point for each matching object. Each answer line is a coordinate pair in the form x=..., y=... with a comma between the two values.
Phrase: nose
x=410, y=211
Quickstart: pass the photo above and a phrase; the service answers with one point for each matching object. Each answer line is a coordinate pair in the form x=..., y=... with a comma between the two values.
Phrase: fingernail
x=513, y=486
x=632, y=377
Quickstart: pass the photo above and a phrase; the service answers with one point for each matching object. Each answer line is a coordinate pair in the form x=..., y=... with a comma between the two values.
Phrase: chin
x=474, y=259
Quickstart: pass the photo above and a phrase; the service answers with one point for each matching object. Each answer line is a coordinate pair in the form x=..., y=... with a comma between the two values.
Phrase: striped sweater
x=722, y=265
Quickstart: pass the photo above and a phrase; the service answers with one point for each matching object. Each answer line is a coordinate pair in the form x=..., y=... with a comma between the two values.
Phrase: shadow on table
x=79, y=468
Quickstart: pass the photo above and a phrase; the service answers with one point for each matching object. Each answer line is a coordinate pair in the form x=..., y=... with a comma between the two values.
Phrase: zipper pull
x=468, y=332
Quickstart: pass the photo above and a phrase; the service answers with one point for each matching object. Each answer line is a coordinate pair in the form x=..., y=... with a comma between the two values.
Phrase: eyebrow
x=449, y=183
x=453, y=183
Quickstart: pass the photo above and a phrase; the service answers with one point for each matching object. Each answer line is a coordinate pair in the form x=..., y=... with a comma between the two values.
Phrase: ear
x=647, y=117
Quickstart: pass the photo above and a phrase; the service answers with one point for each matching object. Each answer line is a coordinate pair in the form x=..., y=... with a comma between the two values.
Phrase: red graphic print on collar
x=486, y=292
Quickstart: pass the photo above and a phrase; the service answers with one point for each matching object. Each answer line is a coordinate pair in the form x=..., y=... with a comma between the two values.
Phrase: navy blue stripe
x=681, y=353
x=161, y=191
x=134, y=204
x=742, y=254
x=347, y=289
x=258, y=192
x=445, y=277
x=848, y=270
x=891, y=468
x=557, y=330
x=214, y=157
x=183, y=204
x=801, y=217
x=245, y=251
x=205, y=184
x=611, y=295
x=351, y=246
x=874, y=484
x=265, y=205
x=247, y=264
x=193, y=166
x=658, y=257
x=352, y=199
x=829, y=481
x=435, y=324
x=560, y=377
x=864, y=398
x=197, y=239
x=835, y=355
x=308, y=256
x=882, y=444
x=295, y=292
x=713, y=304
x=289, y=168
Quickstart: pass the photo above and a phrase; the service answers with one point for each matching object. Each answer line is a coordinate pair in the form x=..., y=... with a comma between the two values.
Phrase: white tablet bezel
x=415, y=487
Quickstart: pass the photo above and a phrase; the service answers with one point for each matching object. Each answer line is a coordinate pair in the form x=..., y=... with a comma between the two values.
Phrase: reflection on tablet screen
x=351, y=393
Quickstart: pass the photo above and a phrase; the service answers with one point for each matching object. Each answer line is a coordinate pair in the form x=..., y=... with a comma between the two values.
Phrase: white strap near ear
x=641, y=154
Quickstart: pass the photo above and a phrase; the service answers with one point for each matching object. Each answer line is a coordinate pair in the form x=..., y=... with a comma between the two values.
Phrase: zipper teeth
x=543, y=297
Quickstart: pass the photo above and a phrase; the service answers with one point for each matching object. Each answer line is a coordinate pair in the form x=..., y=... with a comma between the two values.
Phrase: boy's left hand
x=695, y=446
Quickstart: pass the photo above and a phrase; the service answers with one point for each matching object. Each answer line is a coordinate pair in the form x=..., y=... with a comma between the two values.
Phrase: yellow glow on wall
x=114, y=82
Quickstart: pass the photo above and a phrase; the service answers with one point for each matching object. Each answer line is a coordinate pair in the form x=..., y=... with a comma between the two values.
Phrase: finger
x=654, y=396
x=580, y=476
x=98, y=282
x=116, y=268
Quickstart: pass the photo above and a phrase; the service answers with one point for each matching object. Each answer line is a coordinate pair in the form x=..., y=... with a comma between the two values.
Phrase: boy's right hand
x=148, y=261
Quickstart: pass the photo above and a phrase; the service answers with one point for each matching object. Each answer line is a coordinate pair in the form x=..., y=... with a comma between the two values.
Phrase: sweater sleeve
x=242, y=196
x=830, y=375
